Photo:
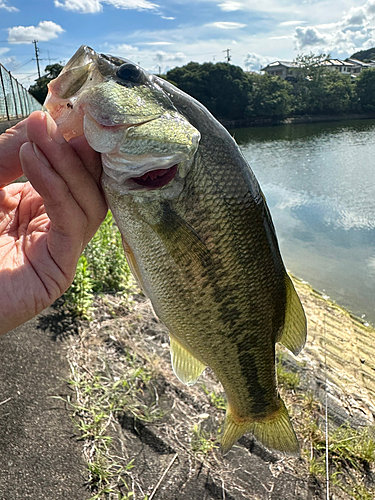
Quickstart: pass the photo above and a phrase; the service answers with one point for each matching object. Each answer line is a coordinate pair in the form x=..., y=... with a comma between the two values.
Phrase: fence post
x=23, y=114
x=14, y=96
x=2, y=84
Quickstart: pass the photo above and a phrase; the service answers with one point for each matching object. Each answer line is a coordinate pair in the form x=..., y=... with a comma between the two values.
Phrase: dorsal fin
x=293, y=336
x=186, y=367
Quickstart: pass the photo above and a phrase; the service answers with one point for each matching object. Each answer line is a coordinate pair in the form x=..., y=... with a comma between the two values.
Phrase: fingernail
x=53, y=131
x=40, y=155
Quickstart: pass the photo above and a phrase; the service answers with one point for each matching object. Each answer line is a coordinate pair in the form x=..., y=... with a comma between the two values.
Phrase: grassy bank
x=145, y=434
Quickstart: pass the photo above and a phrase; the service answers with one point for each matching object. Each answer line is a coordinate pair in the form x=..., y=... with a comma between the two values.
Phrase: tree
x=365, y=89
x=338, y=93
x=309, y=82
x=270, y=97
x=364, y=55
x=39, y=90
x=222, y=88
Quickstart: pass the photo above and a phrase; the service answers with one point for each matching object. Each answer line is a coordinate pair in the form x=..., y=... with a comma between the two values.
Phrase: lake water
x=319, y=182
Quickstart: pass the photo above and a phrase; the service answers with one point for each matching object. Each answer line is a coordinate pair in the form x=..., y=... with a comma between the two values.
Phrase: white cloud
x=356, y=16
x=230, y=6
x=168, y=18
x=4, y=50
x=308, y=37
x=94, y=6
x=132, y=4
x=84, y=6
x=255, y=61
x=46, y=30
x=354, y=31
x=158, y=43
x=226, y=25
x=291, y=23
x=161, y=56
x=3, y=5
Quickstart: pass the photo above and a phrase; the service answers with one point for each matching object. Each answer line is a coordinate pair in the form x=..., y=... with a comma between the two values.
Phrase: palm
x=45, y=224
x=30, y=276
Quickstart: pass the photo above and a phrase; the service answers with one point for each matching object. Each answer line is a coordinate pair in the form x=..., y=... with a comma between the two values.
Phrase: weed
x=79, y=297
x=101, y=393
x=201, y=441
x=101, y=268
x=285, y=378
x=215, y=399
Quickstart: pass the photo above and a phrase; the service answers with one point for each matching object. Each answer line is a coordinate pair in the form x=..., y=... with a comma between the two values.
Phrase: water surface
x=319, y=182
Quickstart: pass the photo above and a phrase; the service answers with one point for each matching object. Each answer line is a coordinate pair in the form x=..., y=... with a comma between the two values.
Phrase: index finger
x=10, y=143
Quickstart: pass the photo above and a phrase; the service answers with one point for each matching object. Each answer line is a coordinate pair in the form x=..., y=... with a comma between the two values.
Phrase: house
x=345, y=67
x=281, y=68
x=286, y=69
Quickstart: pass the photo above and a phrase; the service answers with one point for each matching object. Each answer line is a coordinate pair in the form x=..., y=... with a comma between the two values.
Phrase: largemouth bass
x=197, y=233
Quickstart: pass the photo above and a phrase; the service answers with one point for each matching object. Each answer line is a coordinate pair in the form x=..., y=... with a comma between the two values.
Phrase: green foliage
x=270, y=97
x=39, y=90
x=101, y=268
x=365, y=88
x=215, y=399
x=231, y=94
x=79, y=296
x=364, y=55
x=287, y=379
x=107, y=264
x=222, y=88
x=201, y=441
x=101, y=393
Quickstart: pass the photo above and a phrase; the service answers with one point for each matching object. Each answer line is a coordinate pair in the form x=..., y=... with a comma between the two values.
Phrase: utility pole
x=37, y=55
x=227, y=57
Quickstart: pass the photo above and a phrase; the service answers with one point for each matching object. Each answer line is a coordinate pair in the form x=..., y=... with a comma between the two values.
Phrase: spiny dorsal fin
x=275, y=432
x=186, y=367
x=293, y=336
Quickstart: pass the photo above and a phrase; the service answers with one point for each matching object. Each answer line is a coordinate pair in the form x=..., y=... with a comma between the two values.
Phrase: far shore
x=303, y=119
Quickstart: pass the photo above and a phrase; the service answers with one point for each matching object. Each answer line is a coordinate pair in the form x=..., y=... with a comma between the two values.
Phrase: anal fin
x=186, y=367
x=275, y=432
x=293, y=336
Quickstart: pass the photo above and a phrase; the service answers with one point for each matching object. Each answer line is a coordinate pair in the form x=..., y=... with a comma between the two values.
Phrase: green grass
x=100, y=396
x=202, y=441
x=216, y=400
x=101, y=268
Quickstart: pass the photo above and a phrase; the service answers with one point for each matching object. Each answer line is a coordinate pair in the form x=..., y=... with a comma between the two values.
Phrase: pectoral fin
x=293, y=336
x=186, y=367
x=180, y=239
x=275, y=432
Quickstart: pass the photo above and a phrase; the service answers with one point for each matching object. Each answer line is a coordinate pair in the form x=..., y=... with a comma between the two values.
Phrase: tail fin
x=275, y=432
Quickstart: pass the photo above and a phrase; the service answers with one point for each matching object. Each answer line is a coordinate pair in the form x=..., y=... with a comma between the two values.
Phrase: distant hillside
x=365, y=55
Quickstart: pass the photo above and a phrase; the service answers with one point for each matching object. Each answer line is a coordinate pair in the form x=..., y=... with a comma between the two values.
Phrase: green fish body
x=197, y=234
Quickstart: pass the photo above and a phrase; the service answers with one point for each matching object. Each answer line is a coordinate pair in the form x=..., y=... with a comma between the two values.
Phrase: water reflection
x=319, y=183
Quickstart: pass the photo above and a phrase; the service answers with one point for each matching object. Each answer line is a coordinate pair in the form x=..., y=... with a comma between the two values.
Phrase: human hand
x=45, y=223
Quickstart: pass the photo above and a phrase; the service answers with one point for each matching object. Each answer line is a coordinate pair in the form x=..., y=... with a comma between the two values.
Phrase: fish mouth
x=156, y=179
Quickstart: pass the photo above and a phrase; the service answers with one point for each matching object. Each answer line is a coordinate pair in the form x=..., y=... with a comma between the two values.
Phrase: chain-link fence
x=15, y=101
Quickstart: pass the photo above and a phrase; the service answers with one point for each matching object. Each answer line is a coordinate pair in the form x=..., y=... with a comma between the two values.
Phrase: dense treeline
x=231, y=94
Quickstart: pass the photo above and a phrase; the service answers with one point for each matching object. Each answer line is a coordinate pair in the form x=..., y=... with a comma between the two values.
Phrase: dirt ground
x=174, y=453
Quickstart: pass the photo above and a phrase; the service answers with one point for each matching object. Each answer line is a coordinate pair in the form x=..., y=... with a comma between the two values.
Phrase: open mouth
x=155, y=179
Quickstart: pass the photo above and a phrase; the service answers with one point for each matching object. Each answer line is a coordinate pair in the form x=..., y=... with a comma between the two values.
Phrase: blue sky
x=162, y=34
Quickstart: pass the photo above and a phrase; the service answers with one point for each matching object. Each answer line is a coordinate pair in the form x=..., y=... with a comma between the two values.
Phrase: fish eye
x=130, y=73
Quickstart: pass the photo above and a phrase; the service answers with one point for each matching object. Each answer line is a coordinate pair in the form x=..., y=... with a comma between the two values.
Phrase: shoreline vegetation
x=293, y=120
x=314, y=93
x=136, y=420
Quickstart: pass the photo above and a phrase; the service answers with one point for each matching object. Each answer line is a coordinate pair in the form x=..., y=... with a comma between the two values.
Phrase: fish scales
x=202, y=245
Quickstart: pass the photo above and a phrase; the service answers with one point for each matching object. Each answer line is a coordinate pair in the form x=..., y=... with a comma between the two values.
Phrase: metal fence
x=15, y=100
